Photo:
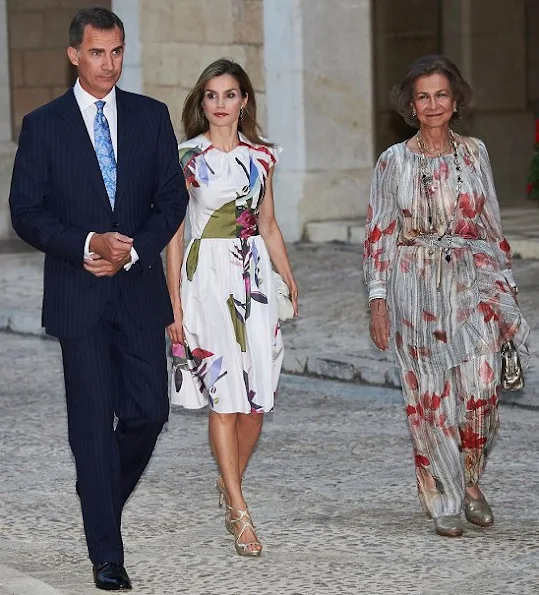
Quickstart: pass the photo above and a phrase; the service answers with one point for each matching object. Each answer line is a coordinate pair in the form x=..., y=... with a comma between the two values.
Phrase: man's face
x=99, y=60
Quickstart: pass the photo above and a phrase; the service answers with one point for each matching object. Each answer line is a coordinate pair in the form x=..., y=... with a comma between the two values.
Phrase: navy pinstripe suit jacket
x=58, y=196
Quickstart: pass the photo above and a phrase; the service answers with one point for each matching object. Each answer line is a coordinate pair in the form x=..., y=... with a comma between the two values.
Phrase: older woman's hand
x=379, y=326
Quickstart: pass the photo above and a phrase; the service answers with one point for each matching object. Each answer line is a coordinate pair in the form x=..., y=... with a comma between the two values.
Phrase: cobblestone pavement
x=330, y=339
x=331, y=489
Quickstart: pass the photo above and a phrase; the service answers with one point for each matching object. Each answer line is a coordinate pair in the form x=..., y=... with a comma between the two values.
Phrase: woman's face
x=222, y=100
x=433, y=100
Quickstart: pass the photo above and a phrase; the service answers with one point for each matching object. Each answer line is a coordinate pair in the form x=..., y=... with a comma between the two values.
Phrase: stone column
x=491, y=53
x=319, y=107
x=7, y=147
x=129, y=12
x=5, y=101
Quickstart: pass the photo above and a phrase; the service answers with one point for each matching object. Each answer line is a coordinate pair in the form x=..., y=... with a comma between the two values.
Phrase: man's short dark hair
x=99, y=18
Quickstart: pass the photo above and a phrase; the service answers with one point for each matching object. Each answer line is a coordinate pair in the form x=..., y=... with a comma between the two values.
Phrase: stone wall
x=402, y=33
x=38, y=34
x=495, y=43
x=179, y=38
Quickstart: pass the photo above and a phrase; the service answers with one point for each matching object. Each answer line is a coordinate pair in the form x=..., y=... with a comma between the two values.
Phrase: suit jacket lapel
x=75, y=133
x=128, y=140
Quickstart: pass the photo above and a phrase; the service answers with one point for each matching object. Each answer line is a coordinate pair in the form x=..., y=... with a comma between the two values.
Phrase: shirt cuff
x=134, y=259
x=508, y=274
x=87, y=252
x=377, y=290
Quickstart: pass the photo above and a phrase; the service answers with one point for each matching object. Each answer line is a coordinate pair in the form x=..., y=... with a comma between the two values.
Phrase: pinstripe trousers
x=454, y=421
x=117, y=369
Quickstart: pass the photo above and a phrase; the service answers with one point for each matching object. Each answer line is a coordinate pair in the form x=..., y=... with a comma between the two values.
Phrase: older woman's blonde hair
x=193, y=120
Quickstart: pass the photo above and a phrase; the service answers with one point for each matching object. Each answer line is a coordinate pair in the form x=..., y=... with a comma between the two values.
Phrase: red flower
x=411, y=380
x=469, y=439
x=482, y=260
x=465, y=204
x=447, y=389
x=201, y=353
x=381, y=265
x=421, y=461
x=410, y=410
x=390, y=228
x=486, y=373
x=407, y=323
x=487, y=311
x=417, y=352
x=435, y=402
x=504, y=245
x=529, y=188
x=441, y=336
x=473, y=405
x=537, y=131
x=375, y=234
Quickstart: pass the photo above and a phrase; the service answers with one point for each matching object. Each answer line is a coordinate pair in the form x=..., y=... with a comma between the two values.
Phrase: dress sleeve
x=382, y=226
x=267, y=155
x=492, y=218
x=188, y=151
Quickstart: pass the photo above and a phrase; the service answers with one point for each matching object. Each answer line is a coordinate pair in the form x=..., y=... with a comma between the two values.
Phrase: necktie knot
x=100, y=105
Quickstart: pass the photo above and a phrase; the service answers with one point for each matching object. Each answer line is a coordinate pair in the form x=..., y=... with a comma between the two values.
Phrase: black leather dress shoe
x=111, y=577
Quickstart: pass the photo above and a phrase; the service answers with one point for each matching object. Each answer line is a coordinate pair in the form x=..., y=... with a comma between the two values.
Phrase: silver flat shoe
x=448, y=526
x=478, y=511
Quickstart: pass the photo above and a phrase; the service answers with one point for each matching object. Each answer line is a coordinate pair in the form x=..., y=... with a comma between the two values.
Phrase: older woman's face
x=433, y=100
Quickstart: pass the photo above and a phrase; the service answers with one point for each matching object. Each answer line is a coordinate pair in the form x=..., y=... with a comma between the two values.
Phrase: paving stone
x=331, y=488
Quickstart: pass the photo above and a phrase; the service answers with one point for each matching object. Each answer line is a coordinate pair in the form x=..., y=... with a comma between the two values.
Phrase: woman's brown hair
x=193, y=120
x=402, y=95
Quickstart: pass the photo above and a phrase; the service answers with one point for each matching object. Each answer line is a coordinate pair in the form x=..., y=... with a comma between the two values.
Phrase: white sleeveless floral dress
x=234, y=344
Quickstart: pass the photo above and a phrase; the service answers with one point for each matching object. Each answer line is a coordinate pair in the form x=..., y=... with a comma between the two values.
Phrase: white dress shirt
x=88, y=109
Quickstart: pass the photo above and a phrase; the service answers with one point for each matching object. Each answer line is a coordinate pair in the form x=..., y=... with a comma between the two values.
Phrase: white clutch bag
x=285, y=309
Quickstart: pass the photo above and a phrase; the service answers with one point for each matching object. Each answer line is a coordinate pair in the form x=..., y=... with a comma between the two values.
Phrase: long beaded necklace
x=427, y=180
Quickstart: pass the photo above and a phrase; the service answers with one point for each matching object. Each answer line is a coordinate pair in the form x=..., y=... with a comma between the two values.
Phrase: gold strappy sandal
x=240, y=521
x=223, y=499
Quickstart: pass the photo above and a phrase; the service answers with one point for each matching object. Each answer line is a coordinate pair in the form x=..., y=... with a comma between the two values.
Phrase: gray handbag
x=512, y=374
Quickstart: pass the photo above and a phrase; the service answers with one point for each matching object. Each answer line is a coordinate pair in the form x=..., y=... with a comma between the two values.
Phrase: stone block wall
x=39, y=68
x=495, y=45
x=403, y=31
x=179, y=38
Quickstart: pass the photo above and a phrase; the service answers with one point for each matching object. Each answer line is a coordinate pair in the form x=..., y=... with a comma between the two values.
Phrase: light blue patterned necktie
x=105, y=151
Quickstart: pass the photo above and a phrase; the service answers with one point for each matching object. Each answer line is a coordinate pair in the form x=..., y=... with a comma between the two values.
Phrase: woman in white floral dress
x=438, y=270
x=224, y=298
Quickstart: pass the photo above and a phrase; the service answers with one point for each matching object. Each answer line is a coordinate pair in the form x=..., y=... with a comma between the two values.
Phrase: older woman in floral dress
x=438, y=271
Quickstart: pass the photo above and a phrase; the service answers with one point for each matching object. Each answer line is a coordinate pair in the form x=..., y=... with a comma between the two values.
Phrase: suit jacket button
x=115, y=225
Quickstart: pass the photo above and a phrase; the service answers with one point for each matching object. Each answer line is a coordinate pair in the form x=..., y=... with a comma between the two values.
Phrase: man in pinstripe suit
x=97, y=187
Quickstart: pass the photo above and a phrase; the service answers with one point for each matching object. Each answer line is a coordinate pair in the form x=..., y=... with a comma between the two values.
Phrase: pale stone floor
x=331, y=489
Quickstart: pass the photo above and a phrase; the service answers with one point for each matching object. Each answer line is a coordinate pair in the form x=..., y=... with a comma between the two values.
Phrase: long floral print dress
x=234, y=343
x=451, y=308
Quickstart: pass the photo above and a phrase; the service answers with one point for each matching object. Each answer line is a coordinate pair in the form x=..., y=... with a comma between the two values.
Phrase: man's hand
x=379, y=326
x=112, y=246
x=102, y=268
